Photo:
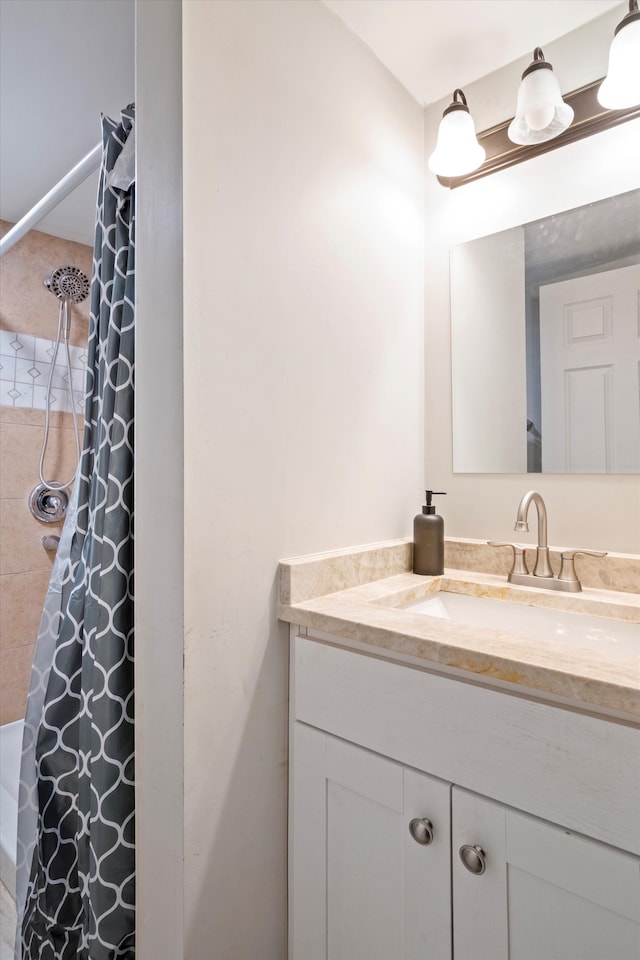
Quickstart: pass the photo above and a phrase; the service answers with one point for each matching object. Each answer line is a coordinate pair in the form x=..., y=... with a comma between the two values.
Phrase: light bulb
x=540, y=118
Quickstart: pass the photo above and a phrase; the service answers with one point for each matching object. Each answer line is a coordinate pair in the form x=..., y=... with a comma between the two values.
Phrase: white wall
x=159, y=491
x=590, y=511
x=303, y=313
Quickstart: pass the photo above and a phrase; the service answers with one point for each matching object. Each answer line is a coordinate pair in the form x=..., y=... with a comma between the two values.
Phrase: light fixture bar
x=589, y=118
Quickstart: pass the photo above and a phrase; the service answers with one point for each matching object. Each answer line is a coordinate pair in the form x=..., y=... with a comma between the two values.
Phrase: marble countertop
x=358, y=595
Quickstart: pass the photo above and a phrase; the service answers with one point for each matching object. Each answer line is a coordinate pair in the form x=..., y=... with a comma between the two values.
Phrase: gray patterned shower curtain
x=76, y=854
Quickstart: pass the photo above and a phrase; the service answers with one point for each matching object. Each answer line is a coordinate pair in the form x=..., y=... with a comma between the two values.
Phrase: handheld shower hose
x=69, y=285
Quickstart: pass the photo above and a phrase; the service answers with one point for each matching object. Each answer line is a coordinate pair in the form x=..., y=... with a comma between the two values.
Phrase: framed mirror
x=545, y=338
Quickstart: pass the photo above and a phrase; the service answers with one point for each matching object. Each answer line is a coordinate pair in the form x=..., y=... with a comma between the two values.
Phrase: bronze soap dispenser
x=428, y=539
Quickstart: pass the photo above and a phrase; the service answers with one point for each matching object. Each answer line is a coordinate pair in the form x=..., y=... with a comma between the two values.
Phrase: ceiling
x=64, y=62
x=434, y=46
x=597, y=236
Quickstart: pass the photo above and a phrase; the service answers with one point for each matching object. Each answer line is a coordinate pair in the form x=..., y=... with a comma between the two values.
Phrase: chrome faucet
x=542, y=566
x=542, y=575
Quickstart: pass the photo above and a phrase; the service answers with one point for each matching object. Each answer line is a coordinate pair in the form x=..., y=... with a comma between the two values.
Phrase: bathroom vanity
x=459, y=790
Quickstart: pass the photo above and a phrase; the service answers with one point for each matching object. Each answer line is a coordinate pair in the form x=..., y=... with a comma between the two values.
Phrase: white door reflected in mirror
x=589, y=373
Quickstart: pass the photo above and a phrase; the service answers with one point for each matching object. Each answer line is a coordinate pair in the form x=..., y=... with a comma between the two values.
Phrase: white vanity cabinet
x=544, y=801
x=545, y=893
x=363, y=888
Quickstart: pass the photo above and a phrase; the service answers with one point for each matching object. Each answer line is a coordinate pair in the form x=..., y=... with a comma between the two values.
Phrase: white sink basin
x=614, y=638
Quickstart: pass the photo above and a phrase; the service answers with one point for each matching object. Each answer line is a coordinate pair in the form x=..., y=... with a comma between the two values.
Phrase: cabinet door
x=361, y=887
x=544, y=893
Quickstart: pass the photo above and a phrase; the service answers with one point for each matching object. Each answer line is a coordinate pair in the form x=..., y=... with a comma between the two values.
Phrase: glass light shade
x=541, y=113
x=621, y=86
x=457, y=150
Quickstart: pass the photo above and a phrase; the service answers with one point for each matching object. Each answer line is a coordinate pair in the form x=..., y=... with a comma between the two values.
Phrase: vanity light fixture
x=621, y=86
x=545, y=120
x=457, y=149
x=541, y=113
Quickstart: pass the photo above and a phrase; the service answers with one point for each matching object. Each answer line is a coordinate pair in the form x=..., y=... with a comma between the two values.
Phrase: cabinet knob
x=421, y=830
x=474, y=858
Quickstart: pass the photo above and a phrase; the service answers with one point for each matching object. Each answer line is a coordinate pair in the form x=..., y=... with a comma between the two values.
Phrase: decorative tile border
x=25, y=367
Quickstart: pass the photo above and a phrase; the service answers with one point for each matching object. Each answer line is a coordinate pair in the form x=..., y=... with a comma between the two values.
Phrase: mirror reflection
x=545, y=330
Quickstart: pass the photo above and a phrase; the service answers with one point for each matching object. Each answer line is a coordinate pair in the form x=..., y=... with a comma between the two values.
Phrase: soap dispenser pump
x=428, y=539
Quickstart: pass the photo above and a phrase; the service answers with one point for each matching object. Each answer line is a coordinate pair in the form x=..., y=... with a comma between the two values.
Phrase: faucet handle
x=519, y=560
x=567, y=568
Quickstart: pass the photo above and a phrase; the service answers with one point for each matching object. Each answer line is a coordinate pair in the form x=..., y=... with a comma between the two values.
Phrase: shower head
x=68, y=284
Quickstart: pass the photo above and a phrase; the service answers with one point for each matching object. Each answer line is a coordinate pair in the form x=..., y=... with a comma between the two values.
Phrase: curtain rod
x=63, y=188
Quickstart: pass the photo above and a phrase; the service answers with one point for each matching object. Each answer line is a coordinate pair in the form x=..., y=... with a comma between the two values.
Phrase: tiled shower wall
x=28, y=324
x=27, y=371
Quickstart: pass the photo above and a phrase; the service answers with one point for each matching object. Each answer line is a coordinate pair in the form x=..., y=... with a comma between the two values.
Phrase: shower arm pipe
x=62, y=189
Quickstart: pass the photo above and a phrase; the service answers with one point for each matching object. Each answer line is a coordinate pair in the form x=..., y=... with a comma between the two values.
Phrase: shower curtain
x=76, y=853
